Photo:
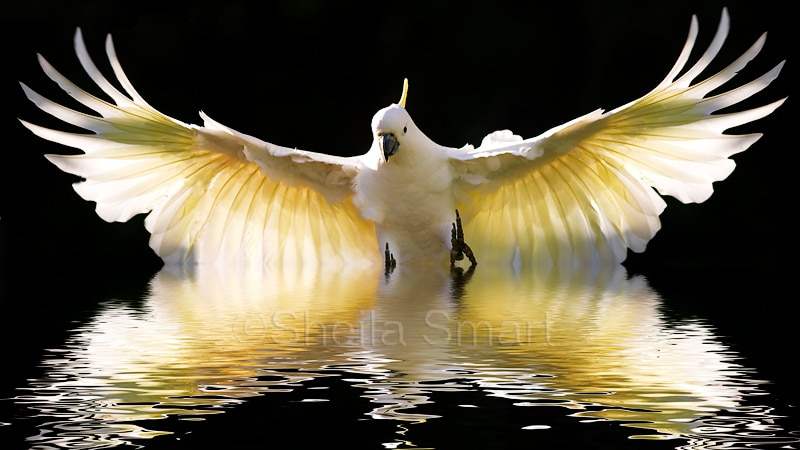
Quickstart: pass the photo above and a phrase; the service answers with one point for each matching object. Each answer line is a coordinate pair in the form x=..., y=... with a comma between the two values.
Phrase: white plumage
x=580, y=194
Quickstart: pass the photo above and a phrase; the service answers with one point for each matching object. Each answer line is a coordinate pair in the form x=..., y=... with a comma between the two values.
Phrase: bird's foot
x=389, y=262
x=460, y=279
x=458, y=247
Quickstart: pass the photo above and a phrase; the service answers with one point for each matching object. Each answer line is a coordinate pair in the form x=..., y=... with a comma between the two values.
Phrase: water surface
x=413, y=360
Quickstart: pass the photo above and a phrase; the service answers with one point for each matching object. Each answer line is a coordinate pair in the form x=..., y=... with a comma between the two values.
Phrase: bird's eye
x=405, y=129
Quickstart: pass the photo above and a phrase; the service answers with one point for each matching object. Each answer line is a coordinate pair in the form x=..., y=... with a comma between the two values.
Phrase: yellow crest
x=402, y=101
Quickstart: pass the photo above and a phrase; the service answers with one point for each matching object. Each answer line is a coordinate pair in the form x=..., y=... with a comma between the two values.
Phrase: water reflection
x=595, y=345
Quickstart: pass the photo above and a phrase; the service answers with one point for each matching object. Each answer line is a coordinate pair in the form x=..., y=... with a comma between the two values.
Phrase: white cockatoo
x=580, y=194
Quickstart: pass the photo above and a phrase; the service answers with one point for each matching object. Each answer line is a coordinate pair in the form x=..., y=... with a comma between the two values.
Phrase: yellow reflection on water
x=594, y=344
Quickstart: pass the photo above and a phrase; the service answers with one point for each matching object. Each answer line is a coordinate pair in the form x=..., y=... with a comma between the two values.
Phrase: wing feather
x=211, y=194
x=586, y=191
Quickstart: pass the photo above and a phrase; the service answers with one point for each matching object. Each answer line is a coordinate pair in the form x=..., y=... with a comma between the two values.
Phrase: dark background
x=311, y=74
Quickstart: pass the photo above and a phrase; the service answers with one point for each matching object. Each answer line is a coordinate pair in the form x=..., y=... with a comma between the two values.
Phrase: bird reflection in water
x=594, y=344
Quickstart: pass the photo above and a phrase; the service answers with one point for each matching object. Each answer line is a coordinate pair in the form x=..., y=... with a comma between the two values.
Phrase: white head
x=393, y=129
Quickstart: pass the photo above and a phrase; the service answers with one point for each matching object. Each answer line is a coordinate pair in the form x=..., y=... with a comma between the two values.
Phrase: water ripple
x=595, y=347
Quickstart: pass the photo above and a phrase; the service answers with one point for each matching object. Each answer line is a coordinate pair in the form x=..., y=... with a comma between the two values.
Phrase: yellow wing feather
x=585, y=192
x=207, y=199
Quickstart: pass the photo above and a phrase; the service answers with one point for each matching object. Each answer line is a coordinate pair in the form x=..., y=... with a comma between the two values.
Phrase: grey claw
x=458, y=247
x=389, y=262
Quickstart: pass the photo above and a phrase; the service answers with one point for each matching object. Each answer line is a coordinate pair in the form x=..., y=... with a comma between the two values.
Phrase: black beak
x=388, y=145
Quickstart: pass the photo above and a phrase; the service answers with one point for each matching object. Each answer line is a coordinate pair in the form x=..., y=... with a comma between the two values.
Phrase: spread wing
x=585, y=192
x=212, y=194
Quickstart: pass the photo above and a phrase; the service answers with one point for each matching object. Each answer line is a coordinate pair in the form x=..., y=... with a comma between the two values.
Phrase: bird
x=581, y=194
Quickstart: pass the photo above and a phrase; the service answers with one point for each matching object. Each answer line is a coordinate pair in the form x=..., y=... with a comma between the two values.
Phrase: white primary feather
x=580, y=194
x=207, y=199
x=583, y=193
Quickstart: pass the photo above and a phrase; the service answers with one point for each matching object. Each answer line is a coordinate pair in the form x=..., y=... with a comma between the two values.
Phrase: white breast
x=411, y=203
